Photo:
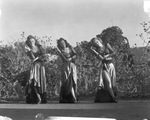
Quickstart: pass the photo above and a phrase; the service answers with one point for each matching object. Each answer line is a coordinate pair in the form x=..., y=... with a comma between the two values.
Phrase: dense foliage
x=132, y=70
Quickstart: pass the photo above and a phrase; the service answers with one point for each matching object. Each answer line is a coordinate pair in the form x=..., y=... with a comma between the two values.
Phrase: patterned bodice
x=36, y=54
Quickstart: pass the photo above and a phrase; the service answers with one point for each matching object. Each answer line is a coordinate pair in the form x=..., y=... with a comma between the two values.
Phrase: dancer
x=107, y=80
x=36, y=87
x=68, y=93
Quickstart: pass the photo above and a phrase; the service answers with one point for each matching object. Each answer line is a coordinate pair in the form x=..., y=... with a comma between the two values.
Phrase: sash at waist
x=107, y=61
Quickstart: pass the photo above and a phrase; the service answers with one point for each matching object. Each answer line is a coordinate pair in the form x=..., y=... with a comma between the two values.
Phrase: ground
x=123, y=110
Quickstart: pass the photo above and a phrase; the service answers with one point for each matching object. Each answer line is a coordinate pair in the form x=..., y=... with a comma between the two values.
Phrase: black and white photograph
x=74, y=59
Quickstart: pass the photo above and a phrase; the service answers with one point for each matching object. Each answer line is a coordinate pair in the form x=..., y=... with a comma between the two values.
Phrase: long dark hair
x=28, y=41
x=62, y=39
x=67, y=45
x=95, y=46
x=92, y=43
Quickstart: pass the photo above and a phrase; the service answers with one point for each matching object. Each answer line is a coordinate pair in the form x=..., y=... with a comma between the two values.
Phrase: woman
x=104, y=52
x=36, y=87
x=68, y=93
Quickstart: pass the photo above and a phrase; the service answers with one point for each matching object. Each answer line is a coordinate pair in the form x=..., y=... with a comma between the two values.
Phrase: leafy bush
x=132, y=70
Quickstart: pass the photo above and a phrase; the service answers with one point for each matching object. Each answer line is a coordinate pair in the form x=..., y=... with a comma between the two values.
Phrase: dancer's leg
x=108, y=83
x=38, y=95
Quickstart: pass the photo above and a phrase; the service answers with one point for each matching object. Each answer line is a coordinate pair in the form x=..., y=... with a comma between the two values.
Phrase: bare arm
x=112, y=53
x=97, y=54
x=29, y=53
x=62, y=56
x=73, y=56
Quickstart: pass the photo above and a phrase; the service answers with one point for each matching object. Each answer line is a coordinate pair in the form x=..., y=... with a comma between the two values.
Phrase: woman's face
x=32, y=41
x=62, y=44
x=98, y=43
